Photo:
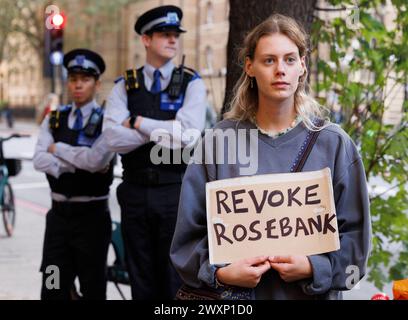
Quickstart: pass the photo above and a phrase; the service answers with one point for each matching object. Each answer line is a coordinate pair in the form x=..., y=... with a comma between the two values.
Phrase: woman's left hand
x=292, y=268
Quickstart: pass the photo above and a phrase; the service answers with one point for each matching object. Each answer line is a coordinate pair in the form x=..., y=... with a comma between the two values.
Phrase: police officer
x=156, y=100
x=71, y=151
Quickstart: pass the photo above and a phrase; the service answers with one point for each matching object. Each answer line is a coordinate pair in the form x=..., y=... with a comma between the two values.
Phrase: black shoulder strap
x=306, y=148
x=188, y=75
x=189, y=71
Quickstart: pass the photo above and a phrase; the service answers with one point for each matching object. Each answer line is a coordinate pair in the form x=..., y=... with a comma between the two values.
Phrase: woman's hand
x=292, y=268
x=244, y=273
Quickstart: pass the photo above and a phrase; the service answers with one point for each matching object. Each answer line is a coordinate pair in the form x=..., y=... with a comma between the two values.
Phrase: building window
x=135, y=34
x=16, y=76
x=209, y=59
x=209, y=13
x=21, y=79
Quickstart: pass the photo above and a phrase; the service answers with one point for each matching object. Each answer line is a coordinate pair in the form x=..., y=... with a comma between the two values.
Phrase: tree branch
x=330, y=9
x=388, y=190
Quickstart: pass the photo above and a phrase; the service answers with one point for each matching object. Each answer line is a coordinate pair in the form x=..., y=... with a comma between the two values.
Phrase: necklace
x=274, y=133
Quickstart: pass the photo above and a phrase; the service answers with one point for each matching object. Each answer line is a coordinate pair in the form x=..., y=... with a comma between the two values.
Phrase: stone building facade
x=204, y=44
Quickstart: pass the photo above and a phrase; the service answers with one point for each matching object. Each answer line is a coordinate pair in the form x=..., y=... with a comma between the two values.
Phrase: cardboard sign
x=274, y=214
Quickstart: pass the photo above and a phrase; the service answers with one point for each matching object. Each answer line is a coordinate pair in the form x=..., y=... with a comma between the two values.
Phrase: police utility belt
x=154, y=177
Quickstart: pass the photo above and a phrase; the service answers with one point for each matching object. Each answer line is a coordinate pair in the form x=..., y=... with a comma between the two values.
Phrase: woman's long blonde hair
x=244, y=104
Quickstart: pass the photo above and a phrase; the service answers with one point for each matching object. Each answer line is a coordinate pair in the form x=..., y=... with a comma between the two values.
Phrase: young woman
x=270, y=98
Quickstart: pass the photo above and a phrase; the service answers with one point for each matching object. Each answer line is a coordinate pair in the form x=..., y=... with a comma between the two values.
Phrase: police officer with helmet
x=78, y=166
x=157, y=99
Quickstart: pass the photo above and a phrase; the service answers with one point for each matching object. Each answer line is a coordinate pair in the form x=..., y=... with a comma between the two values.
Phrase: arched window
x=209, y=13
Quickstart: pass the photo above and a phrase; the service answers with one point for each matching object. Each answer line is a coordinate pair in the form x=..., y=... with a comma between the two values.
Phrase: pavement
x=20, y=255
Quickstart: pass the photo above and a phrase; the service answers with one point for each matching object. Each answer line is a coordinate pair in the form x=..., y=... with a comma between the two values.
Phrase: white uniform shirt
x=66, y=157
x=190, y=116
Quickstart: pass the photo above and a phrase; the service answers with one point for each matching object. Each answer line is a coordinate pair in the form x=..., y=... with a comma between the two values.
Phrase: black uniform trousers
x=149, y=215
x=77, y=237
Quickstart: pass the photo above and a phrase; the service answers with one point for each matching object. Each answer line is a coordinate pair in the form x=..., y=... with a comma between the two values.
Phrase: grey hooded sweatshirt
x=333, y=271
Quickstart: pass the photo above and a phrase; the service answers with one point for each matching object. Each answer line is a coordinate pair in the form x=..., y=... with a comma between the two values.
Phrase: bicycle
x=8, y=168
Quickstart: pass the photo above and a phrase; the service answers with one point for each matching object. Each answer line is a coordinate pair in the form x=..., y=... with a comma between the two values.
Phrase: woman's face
x=276, y=67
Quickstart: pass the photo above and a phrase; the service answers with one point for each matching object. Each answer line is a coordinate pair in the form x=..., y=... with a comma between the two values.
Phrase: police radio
x=176, y=81
x=94, y=121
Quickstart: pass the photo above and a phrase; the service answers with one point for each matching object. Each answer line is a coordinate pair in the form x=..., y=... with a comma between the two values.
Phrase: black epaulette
x=190, y=71
x=53, y=122
x=54, y=119
x=131, y=81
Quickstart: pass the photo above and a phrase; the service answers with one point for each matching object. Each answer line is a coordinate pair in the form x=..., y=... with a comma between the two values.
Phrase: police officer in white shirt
x=78, y=166
x=156, y=100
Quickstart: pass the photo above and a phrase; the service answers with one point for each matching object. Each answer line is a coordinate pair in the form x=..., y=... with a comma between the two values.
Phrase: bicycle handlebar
x=15, y=135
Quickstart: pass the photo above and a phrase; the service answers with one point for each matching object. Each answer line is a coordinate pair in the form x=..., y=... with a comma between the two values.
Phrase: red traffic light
x=58, y=20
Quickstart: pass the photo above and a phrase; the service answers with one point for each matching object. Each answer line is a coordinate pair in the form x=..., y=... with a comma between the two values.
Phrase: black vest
x=146, y=104
x=81, y=182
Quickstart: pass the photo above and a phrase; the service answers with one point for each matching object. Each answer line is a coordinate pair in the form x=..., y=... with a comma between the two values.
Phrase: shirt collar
x=165, y=70
x=86, y=109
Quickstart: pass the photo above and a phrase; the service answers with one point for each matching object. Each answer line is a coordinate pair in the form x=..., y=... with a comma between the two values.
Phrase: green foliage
x=364, y=68
x=19, y=17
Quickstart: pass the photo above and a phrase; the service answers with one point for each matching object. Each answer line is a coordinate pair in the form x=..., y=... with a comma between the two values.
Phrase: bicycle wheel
x=8, y=209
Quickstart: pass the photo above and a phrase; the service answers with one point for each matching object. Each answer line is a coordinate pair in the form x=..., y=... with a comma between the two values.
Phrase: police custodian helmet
x=163, y=18
x=84, y=61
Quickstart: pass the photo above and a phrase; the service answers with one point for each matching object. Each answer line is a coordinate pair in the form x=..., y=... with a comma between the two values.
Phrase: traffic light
x=57, y=33
x=56, y=40
x=58, y=21
x=53, y=42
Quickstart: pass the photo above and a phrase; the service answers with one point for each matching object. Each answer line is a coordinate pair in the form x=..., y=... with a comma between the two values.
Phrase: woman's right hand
x=244, y=273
